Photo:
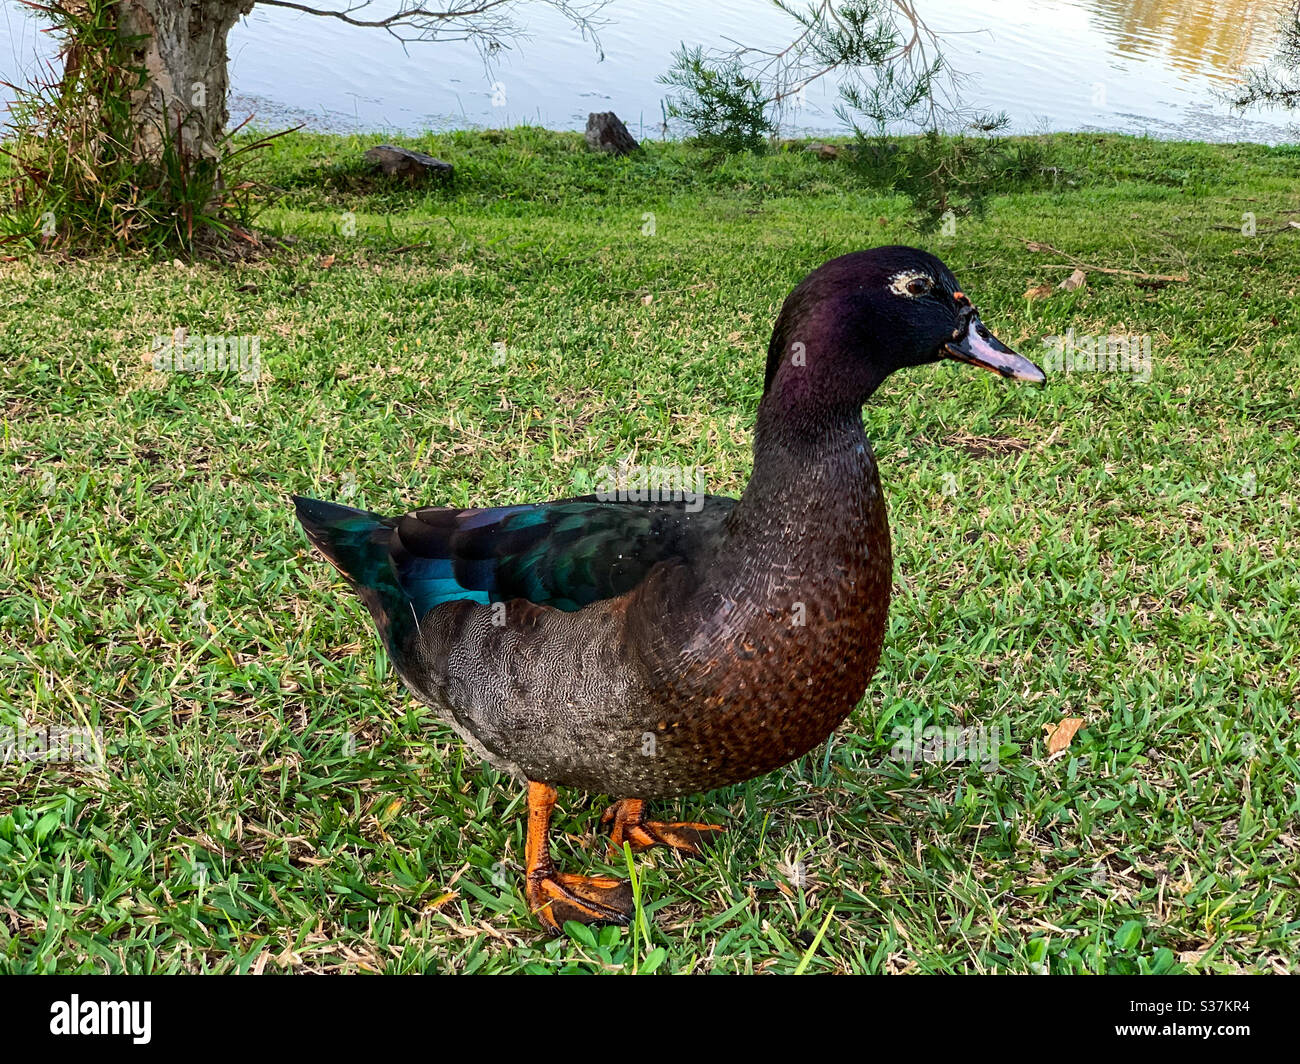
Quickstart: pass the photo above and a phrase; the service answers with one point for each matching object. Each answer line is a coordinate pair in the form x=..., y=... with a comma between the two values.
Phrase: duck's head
x=854, y=320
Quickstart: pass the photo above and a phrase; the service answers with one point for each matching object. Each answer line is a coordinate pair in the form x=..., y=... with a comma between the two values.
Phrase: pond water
x=1138, y=66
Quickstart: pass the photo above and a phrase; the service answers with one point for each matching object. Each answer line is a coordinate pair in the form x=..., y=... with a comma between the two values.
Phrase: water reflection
x=1198, y=38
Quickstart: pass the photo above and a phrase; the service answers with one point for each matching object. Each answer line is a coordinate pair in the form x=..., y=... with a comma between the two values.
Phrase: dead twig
x=404, y=247
x=1288, y=228
x=1034, y=245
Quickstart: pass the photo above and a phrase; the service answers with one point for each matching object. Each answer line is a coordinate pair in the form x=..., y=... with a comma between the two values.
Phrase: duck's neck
x=807, y=432
x=810, y=533
x=814, y=475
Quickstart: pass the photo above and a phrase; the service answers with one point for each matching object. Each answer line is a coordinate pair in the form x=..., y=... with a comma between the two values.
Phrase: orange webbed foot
x=627, y=825
x=559, y=896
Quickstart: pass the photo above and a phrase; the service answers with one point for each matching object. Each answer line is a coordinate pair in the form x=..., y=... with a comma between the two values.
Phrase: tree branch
x=884, y=46
x=486, y=22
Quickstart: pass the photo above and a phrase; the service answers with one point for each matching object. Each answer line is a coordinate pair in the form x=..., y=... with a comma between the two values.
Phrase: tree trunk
x=183, y=52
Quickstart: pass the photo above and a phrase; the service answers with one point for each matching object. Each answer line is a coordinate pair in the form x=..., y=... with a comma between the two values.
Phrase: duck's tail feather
x=358, y=543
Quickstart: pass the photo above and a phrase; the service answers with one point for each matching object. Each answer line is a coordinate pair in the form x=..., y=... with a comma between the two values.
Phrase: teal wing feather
x=564, y=554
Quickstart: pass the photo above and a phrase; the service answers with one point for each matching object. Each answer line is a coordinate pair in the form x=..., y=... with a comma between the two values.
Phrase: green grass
x=272, y=800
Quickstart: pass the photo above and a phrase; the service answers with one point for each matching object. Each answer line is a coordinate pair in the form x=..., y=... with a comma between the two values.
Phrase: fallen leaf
x=1076, y=280
x=648, y=298
x=442, y=900
x=1041, y=291
x=326, y=262
x=1060, y=734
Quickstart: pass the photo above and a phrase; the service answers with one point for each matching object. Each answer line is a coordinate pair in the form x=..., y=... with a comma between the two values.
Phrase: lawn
x=1116, y=549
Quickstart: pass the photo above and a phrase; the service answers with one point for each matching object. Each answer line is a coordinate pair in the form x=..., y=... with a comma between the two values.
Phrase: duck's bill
x=981, y=348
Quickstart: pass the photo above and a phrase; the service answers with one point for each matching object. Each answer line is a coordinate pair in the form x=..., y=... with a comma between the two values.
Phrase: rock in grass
x=824, y=151
x=412, y=165
x=606, y=132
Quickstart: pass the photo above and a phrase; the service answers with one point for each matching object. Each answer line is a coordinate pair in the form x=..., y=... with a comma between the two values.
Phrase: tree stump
x=606, y=132
x=412, y=165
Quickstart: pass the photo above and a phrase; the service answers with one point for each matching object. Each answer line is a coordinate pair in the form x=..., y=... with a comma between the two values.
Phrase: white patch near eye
x=901, y=283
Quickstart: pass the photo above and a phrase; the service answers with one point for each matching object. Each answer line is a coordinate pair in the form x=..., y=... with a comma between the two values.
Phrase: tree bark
x=182, y=49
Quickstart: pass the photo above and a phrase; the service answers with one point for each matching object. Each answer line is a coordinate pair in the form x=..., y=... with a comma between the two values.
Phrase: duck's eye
x=911, y=283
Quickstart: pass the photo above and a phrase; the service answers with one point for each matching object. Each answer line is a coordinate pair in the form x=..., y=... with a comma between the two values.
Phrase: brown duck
x=654, y=649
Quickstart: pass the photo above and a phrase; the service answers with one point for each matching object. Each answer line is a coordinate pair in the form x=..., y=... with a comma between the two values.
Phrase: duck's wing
x=565, y=554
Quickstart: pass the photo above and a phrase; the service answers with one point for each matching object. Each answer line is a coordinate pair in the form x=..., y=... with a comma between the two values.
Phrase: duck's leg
x=558, y=896
x=628, y=824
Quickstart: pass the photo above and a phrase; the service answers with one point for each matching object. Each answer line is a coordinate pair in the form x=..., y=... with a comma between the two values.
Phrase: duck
x=653, y=648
